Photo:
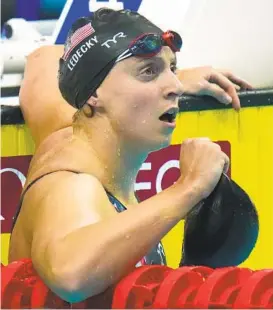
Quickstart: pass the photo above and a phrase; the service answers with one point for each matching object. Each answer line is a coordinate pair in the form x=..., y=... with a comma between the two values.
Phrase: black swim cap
x=92, y=47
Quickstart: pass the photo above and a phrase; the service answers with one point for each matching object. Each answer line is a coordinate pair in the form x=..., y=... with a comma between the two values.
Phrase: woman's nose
x=174, y=88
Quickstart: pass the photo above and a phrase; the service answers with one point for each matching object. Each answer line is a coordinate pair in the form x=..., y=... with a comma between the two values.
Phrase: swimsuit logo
x=161, y=253
x=113, y=40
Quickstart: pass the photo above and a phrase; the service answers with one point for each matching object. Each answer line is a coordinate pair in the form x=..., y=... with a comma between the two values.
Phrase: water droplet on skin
x=144, y=121
x=118, y=152
x=127, y=237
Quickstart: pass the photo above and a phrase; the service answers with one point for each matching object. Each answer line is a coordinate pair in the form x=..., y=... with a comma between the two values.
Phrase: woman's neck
x=115, y=162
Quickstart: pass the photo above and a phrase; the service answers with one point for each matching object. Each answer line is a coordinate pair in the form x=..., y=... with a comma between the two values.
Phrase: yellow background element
x=250, y=133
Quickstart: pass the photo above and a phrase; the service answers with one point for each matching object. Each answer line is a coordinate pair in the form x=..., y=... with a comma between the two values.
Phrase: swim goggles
x=150, y=44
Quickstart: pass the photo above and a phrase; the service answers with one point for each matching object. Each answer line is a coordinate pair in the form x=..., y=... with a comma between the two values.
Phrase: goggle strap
x=124, y=55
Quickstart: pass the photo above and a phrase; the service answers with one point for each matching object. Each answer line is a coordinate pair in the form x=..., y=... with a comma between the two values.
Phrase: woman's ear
x=94, y=103
x=93, y=100
x=89, y=107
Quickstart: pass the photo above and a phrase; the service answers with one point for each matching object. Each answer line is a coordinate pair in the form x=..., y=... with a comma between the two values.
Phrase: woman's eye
x=151, y=70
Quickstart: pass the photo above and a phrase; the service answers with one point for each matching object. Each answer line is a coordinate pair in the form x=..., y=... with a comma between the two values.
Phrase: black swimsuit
x=155, y=257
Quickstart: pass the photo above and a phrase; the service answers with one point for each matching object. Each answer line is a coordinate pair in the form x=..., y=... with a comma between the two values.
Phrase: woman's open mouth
x=169, y=116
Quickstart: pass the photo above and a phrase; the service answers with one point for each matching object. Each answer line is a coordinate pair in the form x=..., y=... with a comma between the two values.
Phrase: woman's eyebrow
x=159, y=59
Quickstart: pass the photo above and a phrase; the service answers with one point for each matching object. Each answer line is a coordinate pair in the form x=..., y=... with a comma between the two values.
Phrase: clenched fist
x=202, y=163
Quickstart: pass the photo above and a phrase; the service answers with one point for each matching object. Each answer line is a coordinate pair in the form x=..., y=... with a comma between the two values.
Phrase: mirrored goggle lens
x=146, y=45
x=152, y=43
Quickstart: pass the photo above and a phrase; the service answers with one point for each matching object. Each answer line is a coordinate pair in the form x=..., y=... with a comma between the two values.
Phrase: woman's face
x=137, y=93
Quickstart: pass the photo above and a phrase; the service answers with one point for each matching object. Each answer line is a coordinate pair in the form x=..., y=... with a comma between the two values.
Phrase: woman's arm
x=81, y=245
x=44, y=109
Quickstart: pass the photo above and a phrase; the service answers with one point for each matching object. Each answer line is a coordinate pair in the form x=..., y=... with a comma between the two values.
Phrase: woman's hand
x=222, y=85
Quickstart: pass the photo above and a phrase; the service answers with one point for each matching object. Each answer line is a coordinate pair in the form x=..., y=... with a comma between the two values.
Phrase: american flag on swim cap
x=78, y=36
